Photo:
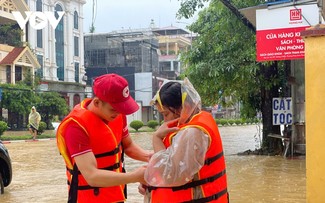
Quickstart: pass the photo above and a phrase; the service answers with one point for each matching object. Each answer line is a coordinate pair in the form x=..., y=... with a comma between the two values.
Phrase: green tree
x=11, y=34
x=3, y=127
x=136, y=124
x=17, y=99
x=51, y=104
x=30, y=79
x=222, y=62
x=152, y=124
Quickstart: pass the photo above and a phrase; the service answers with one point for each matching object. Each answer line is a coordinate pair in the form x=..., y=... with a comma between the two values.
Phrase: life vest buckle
x=96, y=191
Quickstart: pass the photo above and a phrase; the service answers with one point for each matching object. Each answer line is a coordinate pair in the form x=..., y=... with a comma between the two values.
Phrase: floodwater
x=39, y=172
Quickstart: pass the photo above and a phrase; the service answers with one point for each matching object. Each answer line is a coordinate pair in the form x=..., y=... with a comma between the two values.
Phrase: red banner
x=280, y=44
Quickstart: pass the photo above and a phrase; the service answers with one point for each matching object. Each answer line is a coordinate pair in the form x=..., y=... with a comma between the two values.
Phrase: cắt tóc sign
x=282, y=111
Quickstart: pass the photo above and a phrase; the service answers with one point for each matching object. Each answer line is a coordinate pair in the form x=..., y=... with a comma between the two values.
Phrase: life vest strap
x=199, y=182
x=74, y=187
x=110, y=153
x=109, y=168
x=210, y=198
x=212, y=159
x=193, y=183
x=86, y=187
x=73, y=194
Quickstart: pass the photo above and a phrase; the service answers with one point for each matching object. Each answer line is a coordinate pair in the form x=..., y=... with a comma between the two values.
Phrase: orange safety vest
x=105, y=141
x=210, y=183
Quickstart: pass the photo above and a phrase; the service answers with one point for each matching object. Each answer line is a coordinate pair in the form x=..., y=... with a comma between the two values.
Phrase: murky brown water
x=39, y=172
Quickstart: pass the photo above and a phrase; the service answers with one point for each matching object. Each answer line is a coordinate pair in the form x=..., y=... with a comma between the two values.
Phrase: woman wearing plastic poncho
x=188, y=164
x=34, y=119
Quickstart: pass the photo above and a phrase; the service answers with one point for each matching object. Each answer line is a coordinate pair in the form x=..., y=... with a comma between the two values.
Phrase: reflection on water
x=39, y=172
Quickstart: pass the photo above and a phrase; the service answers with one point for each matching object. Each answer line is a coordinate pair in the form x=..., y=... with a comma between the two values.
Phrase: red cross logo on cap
x=126, y=91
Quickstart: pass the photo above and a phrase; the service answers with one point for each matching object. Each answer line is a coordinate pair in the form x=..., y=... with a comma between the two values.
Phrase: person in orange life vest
x=188, y=164
x=92, y=140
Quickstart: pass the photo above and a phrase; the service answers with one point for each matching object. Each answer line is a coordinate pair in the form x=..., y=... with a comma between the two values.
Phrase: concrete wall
x=135, y=116
x=143, y=87
x=315, y=112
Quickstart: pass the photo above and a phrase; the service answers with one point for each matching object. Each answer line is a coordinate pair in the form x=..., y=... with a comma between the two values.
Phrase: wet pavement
x=39, y=171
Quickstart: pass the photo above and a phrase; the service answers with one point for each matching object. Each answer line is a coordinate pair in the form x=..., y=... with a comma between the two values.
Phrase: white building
x=58, y=48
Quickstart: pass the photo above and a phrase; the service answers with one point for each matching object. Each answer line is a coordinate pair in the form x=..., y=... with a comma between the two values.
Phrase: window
x=39, y=5
x=76, y=46
x=8, y=74
x=39, y=33
x=39, y=71
x=76, y=99
x=101, y=57
x=39, y=38
x=18, y=73
x=75, y=20
x=97, y=57
x=59, y=45
x=76, y=70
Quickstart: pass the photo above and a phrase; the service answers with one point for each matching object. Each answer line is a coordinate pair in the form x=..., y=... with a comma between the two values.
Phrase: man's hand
x=139, y=175
x=142, y=189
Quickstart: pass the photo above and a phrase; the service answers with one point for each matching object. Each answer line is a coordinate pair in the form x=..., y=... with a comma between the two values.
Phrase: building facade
x=121, y=52
x=59, y=50
x=52, y=33
x=15, y=60
x=152, y=53
x=135, y=48
x=172, y=42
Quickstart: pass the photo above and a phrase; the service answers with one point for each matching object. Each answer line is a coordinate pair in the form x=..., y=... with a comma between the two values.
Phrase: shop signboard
x=278, y=31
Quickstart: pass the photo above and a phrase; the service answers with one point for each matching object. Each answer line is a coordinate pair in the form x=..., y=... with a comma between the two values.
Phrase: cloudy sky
x=124, y=14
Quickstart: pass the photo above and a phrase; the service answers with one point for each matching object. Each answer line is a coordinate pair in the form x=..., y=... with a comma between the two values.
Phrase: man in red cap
x=92, y=140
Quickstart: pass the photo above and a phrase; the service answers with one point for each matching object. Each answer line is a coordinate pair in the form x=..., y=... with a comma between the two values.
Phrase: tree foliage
x=11, y=34
x=222, y=61
x=136, y=124
x=3, y=127
x=30, y=80
x=50, y=105
x=19, y=98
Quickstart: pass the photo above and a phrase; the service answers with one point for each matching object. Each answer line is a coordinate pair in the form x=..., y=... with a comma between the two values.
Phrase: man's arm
x=78, y=146
x=95, y=177
x=134, y=151
x=131, y=149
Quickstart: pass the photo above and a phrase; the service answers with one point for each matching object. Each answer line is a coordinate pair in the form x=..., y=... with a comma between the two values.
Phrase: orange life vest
x=210, y=183
x=105, y=141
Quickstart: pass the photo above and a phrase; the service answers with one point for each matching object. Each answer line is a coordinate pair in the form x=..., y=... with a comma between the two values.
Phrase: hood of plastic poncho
x=191, y=100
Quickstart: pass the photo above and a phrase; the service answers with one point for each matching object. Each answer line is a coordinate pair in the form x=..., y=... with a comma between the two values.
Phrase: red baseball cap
x=114, y=89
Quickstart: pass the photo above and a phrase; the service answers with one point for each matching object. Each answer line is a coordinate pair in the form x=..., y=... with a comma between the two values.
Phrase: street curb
x=37, y=140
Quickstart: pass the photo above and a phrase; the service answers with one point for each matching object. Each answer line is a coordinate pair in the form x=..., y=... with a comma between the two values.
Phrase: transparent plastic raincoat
x=183, y=159
x=191, y=167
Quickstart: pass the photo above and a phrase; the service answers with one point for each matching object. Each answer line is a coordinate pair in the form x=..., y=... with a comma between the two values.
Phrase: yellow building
x=172, y=42
x=315, y=112
x=14, y=61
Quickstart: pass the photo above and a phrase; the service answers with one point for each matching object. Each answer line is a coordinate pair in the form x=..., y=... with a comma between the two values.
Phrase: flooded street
x=39, y=172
